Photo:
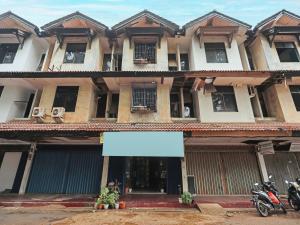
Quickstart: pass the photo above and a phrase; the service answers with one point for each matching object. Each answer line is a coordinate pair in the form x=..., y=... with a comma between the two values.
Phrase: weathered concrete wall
x=198, y=56
x=258, y=55
x=244, y=114
x=13, y=102
x=9, y=169
x=91, y=60
x=27, y=58
x=161, y=58
x=163, y=107
x=272, y=55
x=287, y=107
x=272, y=103
x=85, y=105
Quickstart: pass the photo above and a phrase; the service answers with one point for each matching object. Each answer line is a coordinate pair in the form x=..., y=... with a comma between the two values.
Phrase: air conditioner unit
x=251, y=90
x=58, y=114
x=39, y=113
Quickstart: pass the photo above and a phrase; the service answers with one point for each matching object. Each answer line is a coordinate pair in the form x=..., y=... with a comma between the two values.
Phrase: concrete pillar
x=262, y=166
x=181, y=102
x=112, y=58
x=108, y=104
x=178, y=57
x=184, y=176
x=105, y=171
x=27, y=169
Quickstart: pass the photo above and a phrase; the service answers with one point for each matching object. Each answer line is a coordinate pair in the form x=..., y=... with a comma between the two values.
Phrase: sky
x=110, y=12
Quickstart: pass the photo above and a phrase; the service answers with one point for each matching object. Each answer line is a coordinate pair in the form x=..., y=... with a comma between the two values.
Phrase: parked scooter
x=266, y=198
x=294, y=194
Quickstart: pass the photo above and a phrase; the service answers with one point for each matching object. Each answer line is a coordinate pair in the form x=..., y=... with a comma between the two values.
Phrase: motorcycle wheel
x=262, y=209
x=283, y=209
x=293, y=204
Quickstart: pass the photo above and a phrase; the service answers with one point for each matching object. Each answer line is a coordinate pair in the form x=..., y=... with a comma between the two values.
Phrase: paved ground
x=64, y=216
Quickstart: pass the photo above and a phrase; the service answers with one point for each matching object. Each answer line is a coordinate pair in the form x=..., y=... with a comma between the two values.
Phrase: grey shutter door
x=283, y=166
x=223, y=173
x=66, y=172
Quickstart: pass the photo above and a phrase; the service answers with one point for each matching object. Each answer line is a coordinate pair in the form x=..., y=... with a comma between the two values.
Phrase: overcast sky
x=111, y=12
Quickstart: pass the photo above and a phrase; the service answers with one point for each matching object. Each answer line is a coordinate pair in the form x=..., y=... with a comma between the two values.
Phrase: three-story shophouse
x=158, y=107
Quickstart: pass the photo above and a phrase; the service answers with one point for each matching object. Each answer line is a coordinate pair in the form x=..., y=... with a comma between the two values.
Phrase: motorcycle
x=294, y=194
x=266, y=198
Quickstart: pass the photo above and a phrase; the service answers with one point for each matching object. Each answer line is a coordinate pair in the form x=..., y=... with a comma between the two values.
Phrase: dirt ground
x=66, y=216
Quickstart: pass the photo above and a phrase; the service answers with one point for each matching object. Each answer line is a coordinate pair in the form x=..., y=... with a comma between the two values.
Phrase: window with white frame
x=144, y=97
x=295, y=91
x=287, y=52
x=215, y=53
x=8, y=53
x=224, y=99
x=75, y=53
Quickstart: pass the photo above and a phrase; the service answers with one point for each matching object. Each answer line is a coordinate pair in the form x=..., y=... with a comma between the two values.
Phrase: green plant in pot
x=186, y=198
x=104, y=197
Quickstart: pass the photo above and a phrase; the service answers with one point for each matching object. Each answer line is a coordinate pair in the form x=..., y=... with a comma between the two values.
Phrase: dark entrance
x=148, y=174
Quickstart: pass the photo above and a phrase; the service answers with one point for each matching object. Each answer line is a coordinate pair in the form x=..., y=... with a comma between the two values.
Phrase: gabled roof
x=282, y=12
x=13, y=16
x=218, y=14
x=75, y=15
x=148, y=14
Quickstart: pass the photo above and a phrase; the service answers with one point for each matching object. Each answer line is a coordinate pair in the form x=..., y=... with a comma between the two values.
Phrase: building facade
x=210, y=107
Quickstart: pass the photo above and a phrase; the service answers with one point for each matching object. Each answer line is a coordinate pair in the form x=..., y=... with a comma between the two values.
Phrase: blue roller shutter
x=66, y=170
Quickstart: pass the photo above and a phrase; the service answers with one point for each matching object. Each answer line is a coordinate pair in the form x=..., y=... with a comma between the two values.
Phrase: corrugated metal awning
x=156, y=144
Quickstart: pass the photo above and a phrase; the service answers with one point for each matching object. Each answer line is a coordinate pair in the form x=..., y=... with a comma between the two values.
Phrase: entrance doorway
x=147, y=174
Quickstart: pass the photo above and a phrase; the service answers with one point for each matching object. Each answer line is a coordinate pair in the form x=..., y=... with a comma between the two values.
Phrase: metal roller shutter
x=66, y=172
x=223, y=173
x=283, y=166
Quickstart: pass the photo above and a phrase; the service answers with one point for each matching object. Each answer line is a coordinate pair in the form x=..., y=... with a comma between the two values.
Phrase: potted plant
x=186, y=198
x=104, y=197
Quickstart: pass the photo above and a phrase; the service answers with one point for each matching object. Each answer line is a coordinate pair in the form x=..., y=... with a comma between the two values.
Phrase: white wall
x=244, y=114
x=27, y=58
x=272, y=57
x=13, y=102
x=198, y=56
x=161, y=58
x=9, y=169
x=91, y=59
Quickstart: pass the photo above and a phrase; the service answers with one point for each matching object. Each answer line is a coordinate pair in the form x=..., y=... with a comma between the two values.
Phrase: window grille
x=224, y=99
x=146, y=51
x=144, y=98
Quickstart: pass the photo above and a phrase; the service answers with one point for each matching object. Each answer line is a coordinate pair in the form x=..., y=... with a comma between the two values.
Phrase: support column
x=104, y=171
x=184, y=176
x=181, y=102
x=112, y=57
x=262, y=166
x=27, y=169
x=178, y=57
x=108, y=104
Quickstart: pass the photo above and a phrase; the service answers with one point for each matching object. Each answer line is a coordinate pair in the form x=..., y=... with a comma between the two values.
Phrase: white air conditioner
x=39, y=113
x=251, y=90
x=58, y=114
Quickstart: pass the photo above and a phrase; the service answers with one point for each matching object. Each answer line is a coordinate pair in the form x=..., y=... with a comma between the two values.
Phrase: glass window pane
x=287, y=52
x=8, y=52
x=215, y=53
x=66, y=96
x=224, y=99
x=75, y=53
